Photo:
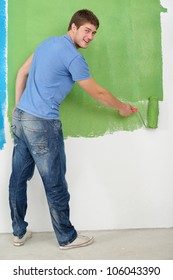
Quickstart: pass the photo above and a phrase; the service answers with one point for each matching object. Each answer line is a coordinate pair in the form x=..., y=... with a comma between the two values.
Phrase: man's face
x=83, y=35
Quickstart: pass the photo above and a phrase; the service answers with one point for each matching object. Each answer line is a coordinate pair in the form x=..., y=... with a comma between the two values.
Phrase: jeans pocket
x=36, y=134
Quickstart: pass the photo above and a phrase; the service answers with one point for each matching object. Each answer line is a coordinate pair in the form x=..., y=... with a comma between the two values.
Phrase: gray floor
x=147, y=244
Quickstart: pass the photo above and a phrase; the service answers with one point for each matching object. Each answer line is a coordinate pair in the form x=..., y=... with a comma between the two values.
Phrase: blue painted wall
x=2, y=69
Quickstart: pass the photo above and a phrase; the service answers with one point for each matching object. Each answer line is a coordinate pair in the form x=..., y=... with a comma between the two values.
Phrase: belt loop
x=20, y=114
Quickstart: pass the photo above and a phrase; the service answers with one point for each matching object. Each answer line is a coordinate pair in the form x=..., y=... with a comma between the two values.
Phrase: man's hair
x=83, y=16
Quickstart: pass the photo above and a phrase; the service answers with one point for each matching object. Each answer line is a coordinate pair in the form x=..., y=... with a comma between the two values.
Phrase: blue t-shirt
x=56, y=66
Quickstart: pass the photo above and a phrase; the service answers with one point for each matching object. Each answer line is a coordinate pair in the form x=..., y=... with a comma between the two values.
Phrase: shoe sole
x=18, y=244
x=67, y=247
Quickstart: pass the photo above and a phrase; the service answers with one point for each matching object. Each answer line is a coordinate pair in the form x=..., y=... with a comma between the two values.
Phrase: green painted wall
x=125, y=56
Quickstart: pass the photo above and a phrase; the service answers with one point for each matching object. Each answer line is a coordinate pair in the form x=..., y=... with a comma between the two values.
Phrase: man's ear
x=73, y=27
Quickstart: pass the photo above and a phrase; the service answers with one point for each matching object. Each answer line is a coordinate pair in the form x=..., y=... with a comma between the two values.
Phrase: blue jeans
x=39, y=142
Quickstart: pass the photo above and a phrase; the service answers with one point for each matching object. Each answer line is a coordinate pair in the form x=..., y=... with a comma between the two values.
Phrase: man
x=41, y=84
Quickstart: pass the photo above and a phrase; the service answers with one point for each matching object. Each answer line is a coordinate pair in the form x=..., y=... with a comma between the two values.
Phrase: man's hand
x=126, y=110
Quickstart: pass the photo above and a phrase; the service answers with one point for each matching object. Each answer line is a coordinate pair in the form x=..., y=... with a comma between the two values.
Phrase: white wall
x=124, y=180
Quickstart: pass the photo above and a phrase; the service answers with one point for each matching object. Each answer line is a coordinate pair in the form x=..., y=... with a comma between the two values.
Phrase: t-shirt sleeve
x=79, y=69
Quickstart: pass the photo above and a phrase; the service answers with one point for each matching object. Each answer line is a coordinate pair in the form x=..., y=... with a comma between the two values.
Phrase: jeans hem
x=64, y=244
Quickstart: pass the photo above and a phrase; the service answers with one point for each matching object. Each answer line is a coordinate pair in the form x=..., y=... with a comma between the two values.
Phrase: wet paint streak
x=2, y=70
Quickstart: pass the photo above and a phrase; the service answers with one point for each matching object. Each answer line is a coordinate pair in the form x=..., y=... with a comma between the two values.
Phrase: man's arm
x=105, y=97
x=21, y=79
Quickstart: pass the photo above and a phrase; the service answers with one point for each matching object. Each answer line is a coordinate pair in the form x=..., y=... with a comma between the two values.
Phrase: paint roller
x=152, y=113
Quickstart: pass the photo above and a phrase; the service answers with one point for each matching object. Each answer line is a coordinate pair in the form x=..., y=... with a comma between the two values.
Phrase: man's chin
x=82, y=46
x=85, y=45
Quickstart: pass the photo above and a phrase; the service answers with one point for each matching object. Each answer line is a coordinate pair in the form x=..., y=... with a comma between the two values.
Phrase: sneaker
x=80, y=241
x=21, y=241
